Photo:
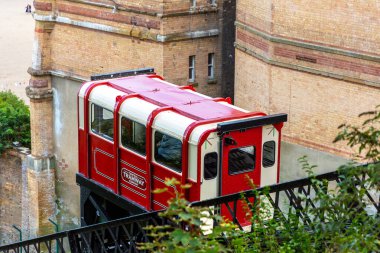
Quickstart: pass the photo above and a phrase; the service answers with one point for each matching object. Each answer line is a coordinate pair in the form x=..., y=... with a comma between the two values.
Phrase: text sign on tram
x=133, y=179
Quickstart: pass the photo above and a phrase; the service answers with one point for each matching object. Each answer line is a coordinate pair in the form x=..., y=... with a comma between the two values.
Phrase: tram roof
x=161, y=93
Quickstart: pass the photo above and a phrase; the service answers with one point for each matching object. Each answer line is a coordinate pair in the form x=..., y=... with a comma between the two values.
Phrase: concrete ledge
x=192, y=11
x=38, y=72
x=134, y=32
x=38, y=93
x=40, y=163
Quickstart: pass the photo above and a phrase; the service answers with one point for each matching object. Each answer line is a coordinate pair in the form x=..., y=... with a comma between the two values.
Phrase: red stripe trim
x=108, y=15
x=252, y=41
x=328, y=61
x=42, y=6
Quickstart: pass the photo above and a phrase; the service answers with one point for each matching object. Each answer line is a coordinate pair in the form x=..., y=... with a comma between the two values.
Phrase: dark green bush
x=14, y=121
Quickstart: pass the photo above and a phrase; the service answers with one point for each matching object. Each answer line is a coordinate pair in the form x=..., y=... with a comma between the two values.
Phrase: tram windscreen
x=241, y=160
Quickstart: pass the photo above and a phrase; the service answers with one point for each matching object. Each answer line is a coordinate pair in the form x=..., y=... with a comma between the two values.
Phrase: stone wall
x=10, y=197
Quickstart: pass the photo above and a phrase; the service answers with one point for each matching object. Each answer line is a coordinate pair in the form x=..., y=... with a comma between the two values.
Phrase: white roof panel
x=137, y=109
x=105, y=96
x=172, y=123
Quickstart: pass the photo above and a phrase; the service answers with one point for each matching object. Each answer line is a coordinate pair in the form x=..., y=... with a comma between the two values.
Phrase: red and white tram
x=136, y=131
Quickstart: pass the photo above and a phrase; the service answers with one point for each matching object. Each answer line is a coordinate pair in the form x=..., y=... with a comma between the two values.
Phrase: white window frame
x=193, y=3
x=211, y=65
x=191, y=68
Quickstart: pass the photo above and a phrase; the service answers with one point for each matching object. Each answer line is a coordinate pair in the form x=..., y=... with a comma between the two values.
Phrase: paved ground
x=16, y=42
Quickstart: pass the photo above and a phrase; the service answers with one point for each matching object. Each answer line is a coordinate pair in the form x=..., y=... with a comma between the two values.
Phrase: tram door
x=132, y=162
x=241, y=163
x=101, y=139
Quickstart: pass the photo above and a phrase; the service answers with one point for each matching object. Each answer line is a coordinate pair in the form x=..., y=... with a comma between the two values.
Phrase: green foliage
x=14, y=121
x=189, y=231
x=366, y=137
x=339, y=220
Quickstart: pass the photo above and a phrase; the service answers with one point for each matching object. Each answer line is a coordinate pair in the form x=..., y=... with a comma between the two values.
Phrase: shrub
x=14, y=121
x=187, y=230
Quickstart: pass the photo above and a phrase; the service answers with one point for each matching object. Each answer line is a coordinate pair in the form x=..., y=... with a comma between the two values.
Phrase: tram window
x=133, y=135
x=102, y=121
x=241, y=160
x=269, y=153
x=168, y=151
x=210, y=166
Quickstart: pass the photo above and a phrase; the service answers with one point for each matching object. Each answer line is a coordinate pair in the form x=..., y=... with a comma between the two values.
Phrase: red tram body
x=136, y=131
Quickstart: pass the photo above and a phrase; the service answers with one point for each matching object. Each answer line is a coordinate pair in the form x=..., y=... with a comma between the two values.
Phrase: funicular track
x=123, y=235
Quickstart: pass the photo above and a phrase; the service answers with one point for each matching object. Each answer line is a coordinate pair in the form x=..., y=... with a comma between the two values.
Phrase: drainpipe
x=20, y=234
x=56, y=230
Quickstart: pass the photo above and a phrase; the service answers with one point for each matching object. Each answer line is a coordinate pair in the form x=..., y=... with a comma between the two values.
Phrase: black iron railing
x=125, y=234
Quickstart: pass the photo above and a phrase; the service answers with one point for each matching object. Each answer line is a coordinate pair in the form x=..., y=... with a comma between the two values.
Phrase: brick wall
x=41, y=141
x=255, y=12
x=176, y=64
x=86, y=52
x=90, y=37
x=318, y=62
x=347, y=24
x=316, y=105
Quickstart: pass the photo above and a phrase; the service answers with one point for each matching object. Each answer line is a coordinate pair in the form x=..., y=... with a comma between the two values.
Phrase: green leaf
x=185, y=216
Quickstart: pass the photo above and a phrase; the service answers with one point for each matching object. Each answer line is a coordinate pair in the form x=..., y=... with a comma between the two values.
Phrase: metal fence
x=125, y=234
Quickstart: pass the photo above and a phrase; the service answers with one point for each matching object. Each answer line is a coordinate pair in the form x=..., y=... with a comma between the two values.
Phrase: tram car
x=136, y=131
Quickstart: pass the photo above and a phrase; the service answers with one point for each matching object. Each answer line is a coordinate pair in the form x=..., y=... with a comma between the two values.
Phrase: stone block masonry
x=10, y=197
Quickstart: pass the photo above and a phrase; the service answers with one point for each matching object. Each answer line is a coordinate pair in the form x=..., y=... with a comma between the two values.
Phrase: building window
x=133, y=135
x=102, y=122
x=241, y=160
x=210, y=166
x=193, y=3
x=269, y=153
x=211, y=64
x=192, y=68
x=168, y=151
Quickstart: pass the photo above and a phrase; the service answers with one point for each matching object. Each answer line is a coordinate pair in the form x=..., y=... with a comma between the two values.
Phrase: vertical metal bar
x=56, y=228
x=20, y=234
